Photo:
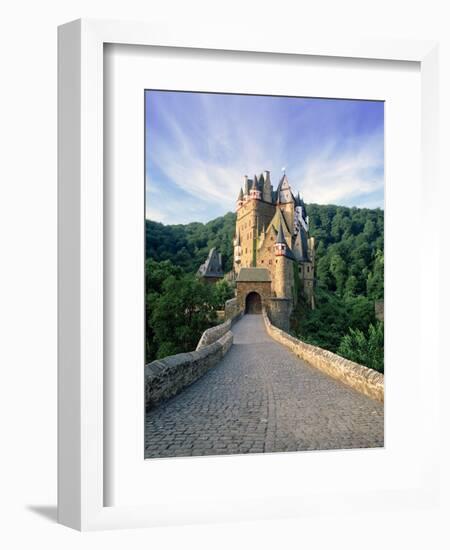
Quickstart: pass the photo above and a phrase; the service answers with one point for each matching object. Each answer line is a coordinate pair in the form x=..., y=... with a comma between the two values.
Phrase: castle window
x=262, y=261
x=270, y=262
x=308, y=269
x=276, y=261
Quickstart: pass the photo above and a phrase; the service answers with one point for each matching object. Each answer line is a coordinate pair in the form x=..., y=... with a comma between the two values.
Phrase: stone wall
x=212, y=334
x=231, y=308
x=263, y=288
x=166, y=377
x=220, y=313
x=360, y=378
x=280, y=312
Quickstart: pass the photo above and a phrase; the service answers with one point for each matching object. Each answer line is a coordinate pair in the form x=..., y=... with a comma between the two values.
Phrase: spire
x=280, y=235
x=245, y=185
x=267, y=187
x=240, y=199
x=281, y=246
x=284, y=192
x=255, y=193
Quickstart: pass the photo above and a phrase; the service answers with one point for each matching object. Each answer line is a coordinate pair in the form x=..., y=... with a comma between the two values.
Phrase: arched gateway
x=253, y=289
x=253, y=303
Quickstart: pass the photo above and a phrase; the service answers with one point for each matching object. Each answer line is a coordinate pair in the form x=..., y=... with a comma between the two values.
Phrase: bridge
x=261, y=397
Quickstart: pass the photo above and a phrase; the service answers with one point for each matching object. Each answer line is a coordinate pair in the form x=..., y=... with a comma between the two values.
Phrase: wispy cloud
x=199, y=146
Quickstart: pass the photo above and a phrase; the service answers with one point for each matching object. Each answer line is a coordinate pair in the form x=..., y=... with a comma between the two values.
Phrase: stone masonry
x=166, y=377
x=260, y=398
x=362, y=379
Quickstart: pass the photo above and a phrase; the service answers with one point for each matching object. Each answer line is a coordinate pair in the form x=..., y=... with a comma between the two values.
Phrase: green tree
x=323, y=272
x=351, y=286
x=365, y=348
x=338, y=271
x=222, y=291
x=349, y=273
x=375, y=279
x=181, y=313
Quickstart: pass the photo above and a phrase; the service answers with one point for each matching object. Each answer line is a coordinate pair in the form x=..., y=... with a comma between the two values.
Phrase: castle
x=273, y=252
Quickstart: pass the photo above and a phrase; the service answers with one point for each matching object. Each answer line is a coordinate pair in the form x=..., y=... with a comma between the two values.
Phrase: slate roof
x=281, y=240
x=280, y=235
x=254, y=275
x=213, y=265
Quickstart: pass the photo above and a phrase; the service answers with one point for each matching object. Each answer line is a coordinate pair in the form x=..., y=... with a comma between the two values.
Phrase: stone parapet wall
x=166, y=377
x=360, y=378
x=280, y=312
x=212, y=334
x=231, y=308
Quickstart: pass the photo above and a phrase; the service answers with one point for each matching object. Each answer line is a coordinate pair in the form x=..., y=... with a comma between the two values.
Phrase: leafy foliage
x=349, y=272
x=222, y=291
x=187, y=246
x=350, y=278
x=349, y=254
x=179, y=307
x=366, y=348
x=326, y=325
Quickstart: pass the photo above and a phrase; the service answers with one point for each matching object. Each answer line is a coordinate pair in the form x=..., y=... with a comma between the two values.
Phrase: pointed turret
x=301, y=217
x=284, y=192
x=240, y=199
x=261, y=181
x=267, y=187
x=281, y=246
x=255, y=193
x=280, y=243
x=245, y=193
x=280, y=235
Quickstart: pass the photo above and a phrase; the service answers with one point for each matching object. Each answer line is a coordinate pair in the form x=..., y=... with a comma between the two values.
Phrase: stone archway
x=253, y=303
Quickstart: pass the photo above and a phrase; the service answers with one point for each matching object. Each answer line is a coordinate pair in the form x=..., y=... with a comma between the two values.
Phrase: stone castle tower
x=273, y=253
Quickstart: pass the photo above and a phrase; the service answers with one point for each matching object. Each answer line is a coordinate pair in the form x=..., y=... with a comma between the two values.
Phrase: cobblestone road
x=262, y=398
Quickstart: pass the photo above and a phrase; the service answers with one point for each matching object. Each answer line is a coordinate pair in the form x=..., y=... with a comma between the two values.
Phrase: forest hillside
x=349, y=280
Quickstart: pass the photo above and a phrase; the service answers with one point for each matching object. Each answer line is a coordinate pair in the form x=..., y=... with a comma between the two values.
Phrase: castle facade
x=273, y=252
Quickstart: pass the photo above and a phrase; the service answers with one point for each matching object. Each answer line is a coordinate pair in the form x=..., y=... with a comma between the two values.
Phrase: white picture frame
x=81, y=406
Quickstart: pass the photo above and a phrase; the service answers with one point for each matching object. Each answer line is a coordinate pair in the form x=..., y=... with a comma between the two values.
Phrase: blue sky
x=199, y=146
